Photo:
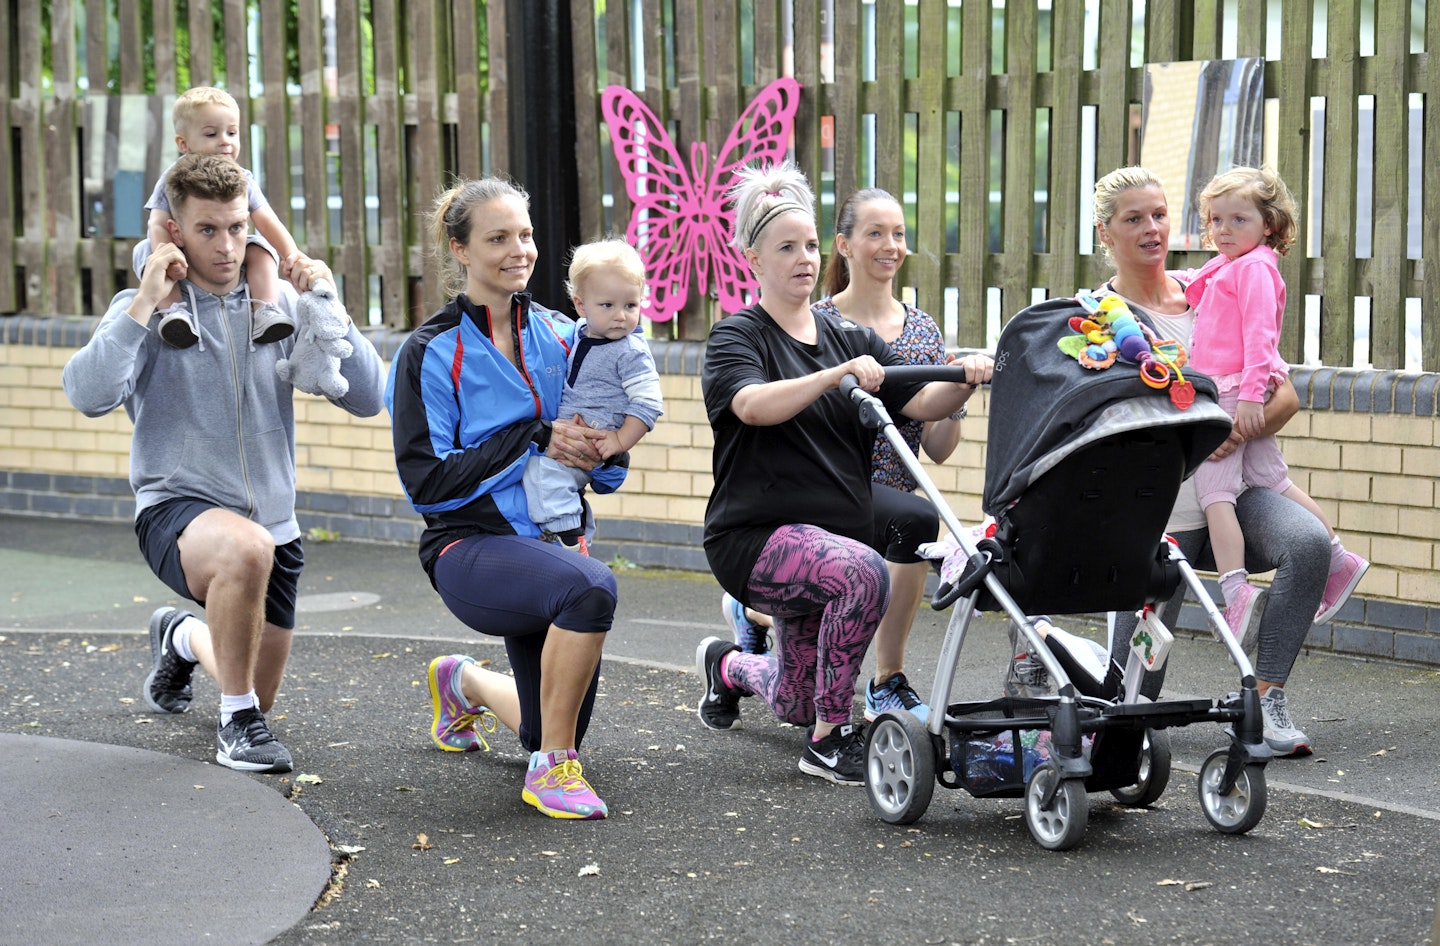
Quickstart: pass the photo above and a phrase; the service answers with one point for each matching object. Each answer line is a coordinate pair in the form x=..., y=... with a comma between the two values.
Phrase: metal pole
x=542, y=140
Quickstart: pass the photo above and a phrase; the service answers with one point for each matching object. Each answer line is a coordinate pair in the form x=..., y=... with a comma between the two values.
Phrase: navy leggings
x=515, y=587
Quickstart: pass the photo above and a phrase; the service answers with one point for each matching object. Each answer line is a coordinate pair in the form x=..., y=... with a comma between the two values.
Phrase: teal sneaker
x=895, y=693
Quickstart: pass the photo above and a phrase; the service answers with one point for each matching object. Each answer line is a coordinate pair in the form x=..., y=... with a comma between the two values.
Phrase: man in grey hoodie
x=212, y=459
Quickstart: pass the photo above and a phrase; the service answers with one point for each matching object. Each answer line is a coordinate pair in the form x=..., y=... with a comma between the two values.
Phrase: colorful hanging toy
x=1112, y=332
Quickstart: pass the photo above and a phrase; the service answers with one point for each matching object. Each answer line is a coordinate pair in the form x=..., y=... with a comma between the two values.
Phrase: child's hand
x=610, y=445
x=1250, y=419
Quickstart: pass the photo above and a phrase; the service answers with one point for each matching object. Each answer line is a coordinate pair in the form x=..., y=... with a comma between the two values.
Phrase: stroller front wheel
x=1243, y=806
x=1059, y=824
x=899, y=767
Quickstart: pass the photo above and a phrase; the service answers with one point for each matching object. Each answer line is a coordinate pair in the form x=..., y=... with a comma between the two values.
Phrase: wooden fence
x=947, y=103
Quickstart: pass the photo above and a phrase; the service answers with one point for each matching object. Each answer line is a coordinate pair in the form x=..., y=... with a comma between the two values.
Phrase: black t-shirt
x=814, y=468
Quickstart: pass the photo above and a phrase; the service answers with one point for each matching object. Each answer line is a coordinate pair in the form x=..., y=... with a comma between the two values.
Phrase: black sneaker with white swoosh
x=245, y=743
x=840, y=756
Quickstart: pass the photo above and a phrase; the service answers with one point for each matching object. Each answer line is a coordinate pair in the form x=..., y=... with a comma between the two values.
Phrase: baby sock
x=1230, y=583
x=1337, y=553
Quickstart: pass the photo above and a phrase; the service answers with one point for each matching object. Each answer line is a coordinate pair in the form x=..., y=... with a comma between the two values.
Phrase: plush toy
x=314, y=363
x=1113, y=333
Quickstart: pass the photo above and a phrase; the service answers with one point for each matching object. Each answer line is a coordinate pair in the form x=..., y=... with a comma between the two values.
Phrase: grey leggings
x=1279, y=535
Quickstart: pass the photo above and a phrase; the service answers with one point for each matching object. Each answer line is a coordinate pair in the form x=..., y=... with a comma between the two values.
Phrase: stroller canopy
x=1044, y=404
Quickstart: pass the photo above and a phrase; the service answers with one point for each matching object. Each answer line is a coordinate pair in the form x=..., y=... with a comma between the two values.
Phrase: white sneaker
x=1280, y=733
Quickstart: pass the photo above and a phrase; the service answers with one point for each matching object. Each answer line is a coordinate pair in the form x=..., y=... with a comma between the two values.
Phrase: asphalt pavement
x=118, y=827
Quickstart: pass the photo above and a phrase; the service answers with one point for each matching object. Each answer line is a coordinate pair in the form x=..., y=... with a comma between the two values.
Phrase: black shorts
x=159, y=527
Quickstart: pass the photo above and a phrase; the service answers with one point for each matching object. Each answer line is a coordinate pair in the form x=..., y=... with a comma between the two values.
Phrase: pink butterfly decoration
x=681, y=220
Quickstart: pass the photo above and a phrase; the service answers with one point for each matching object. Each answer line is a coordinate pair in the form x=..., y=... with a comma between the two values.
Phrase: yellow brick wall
x=1373, y=473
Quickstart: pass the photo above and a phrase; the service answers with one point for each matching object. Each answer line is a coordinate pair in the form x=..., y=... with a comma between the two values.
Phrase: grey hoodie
x=213, y=422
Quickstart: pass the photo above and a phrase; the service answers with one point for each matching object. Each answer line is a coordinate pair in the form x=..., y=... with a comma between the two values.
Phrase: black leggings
x=903, y=522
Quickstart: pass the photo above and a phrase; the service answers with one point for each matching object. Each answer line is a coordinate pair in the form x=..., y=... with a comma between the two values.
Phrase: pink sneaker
x=554, y=784
x=456, y=727
x=1339, y=586
x=1243, y=615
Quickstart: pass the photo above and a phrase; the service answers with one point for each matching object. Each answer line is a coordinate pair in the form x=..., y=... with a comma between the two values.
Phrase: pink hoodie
x=1239, y=305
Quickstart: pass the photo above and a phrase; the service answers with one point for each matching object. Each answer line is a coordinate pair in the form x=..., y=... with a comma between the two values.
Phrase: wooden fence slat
x=62, y=270
x=1112, y=68
x=349, y=260
x=1018, y=192
x=497, y=107
x=202, y=45
x=1293, y=165
x=314, y=133
x=97, y=47
x=1062, y=209
x=1389, y=214
x=619, y=67
x=389, y=255
x=163, y=25
x=843, y=94
x=132, y=62
x=26, y=112
x=1337, y=308
x=429, y=61
x=974, y=223
x=275, y=106
x=1429, y=87
x=470, y=111
x=930, y=201
x=691, y=321
x=888, y=98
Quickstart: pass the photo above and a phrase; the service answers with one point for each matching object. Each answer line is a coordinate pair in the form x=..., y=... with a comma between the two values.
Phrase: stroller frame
x=1130, y=756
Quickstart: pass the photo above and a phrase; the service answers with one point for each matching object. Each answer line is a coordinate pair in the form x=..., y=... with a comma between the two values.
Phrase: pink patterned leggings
x=827, y=594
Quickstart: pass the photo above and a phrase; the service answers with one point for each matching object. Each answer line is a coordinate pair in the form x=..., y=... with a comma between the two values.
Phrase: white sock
x=230, y=705
x=180, y=637
x=1337, y=552
x=1231, y=581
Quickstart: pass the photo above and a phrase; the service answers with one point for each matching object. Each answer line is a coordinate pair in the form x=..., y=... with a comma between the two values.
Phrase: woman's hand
x=867, y=371
x=575, y=444
x=978, y=366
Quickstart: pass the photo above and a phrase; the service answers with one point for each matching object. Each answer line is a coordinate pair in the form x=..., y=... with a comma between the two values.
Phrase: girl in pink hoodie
x=1249, y=216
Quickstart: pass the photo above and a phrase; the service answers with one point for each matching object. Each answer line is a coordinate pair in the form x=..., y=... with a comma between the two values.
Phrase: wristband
x=961, y=413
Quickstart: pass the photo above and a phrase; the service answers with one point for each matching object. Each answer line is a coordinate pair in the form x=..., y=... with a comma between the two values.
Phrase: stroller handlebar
x=849, y=386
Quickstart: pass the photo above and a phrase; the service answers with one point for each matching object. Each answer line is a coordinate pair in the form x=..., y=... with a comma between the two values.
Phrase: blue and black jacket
x=465, y=420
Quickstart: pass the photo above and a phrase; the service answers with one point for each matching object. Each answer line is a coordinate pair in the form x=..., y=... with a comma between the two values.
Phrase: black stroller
x=1083, y=468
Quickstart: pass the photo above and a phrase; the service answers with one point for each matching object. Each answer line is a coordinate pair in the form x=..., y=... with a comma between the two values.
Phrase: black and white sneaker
x=840, y=756
x=167, y=688
x=245, y=743
x=720, y=706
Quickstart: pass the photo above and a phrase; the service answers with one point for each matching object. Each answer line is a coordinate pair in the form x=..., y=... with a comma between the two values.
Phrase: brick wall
x=1367, y=449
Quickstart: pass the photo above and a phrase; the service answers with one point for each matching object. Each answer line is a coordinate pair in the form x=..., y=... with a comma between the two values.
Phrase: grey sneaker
x=1280, y=733
x=245, y=743
x=269, y=324
x=167, y=688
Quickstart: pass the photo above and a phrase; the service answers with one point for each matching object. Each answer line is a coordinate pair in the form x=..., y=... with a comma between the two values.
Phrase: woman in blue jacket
x=473, y=395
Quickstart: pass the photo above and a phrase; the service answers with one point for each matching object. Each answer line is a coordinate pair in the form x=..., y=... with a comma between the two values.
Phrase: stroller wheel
x=1243, y=806
x=1059, y=823
x=899, y=767
x=1154, y=772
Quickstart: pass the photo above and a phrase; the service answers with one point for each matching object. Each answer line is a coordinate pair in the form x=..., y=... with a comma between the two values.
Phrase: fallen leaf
x=1198, y=885
x=373, y=883
x=451, y=860
x=308, y=779
x=127, y=700
x=589, y=870
x=1167, y=882
x=1335, y=870
x=422, y=843
x=140, y=599
x=348, y=848
x=109, y=648
x=198, y=788
x=549, y=853
x=1384, y=751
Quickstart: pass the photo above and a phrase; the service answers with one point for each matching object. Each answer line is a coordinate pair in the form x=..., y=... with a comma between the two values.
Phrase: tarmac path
x=713, y=837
